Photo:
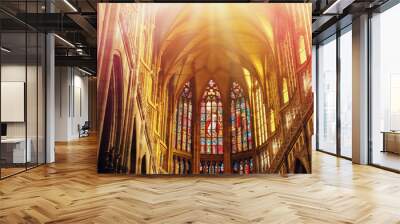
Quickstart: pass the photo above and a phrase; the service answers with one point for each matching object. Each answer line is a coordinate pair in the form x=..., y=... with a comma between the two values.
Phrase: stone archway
x=110, y=139
x=133, y=149
x=299, y=167
x=143, y=166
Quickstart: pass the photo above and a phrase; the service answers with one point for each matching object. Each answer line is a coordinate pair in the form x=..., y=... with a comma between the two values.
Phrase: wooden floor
x=5, y=172
x=70, y=191
x=386, y=159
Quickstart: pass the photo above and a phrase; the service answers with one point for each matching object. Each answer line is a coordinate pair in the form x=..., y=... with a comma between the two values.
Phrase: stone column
x=226, y=104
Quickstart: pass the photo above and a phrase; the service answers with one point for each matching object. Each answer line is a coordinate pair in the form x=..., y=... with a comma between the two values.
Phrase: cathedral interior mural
x=212, y=89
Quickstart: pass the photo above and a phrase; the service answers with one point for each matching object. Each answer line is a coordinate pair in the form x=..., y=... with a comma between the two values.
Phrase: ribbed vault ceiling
x=213, y=40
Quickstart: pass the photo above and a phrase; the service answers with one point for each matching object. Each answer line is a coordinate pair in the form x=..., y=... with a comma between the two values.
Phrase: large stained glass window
x=240, y=120
x=211, y=137
x=260, y=116
x=184, y=120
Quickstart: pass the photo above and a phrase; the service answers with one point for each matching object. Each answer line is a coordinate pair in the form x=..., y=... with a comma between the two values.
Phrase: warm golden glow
x=302, y=50
x=285, y=92
x=260, y=123
x=170, y=54
x=247, y=77
x=272, y=121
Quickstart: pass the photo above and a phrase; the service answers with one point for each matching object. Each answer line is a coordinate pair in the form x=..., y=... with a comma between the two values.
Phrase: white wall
x=33, y=127
x=9, y=73
x=80, y=110
x=71, y=102
x=62, y=82
x=16, y=73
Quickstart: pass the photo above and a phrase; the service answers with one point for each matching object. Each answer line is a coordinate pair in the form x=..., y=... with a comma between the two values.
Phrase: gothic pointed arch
x=260, y=119
x=183, y=126
x=241, y=135
x=211, y=117
x=111, y=134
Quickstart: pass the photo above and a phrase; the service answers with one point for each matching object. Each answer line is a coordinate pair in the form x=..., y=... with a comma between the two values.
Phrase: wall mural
x=210, y=88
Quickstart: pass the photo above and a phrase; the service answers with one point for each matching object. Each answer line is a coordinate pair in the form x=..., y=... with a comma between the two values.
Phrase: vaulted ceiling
x=213, y=40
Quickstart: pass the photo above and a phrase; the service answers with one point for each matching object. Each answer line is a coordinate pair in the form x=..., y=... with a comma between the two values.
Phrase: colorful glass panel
x=183, y=131
x=259, y=116
x=211, y=136
x=240, y=120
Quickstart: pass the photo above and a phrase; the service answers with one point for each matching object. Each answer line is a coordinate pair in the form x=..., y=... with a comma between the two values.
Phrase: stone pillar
x=226, y=104
x=196, y=129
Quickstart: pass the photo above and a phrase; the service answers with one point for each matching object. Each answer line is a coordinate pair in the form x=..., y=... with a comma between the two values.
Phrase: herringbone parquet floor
x=70, y=191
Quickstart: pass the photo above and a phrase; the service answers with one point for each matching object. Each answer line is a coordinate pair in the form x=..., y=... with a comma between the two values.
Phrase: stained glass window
x=184, y=120
x=211, y=137
x=272, y=121
x=240, y=120
x=245, y=166
x=302, y=50
x=285, y=91
x=260, y=116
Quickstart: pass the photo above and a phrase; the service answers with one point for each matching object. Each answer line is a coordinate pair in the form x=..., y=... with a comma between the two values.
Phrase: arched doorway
x=133, y=150
x=109, y=159
x=143, y=166
x=299, y=167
